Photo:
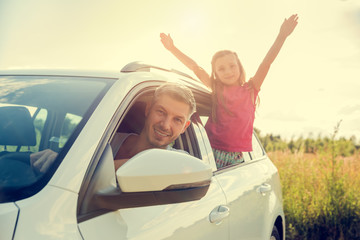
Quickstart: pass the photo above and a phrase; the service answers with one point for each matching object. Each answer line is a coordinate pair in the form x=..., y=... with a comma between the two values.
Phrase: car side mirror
x=156, y=177
x=159, y=169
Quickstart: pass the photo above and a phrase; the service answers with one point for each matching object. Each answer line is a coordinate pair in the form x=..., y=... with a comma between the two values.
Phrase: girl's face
x=227, y=69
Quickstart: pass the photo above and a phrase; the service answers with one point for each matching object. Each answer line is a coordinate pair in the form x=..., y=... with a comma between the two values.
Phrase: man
x=166, y=117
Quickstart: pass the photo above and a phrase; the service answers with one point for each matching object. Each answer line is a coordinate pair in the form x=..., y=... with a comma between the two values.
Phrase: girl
x=230, y=125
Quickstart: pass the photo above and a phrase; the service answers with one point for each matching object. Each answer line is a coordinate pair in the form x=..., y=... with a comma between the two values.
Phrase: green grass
x=321, y=194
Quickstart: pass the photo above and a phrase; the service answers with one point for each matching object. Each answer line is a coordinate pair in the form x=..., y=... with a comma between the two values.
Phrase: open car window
x=134, y=120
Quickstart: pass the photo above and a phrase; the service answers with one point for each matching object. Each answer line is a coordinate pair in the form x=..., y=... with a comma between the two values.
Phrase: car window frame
x=254, y=156
x=204, y=145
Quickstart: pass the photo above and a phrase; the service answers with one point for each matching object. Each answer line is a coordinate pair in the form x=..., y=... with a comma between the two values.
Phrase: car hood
x=8, y=217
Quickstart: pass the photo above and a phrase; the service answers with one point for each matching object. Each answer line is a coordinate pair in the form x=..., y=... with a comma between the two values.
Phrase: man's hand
x=43, y=160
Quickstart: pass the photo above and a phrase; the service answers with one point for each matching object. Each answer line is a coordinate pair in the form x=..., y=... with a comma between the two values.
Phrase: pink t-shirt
x=233, y=133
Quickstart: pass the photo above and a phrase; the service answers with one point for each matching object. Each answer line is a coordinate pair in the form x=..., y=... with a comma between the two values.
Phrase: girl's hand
x=167, y=41
x=289, y=25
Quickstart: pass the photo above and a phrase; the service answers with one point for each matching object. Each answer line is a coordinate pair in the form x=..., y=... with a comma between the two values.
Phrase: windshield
x=40, y=117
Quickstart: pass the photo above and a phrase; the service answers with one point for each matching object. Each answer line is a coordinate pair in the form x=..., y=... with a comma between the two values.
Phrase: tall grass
x=321, y=194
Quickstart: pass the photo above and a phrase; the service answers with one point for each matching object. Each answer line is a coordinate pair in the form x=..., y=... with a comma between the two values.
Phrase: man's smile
x=162, y=133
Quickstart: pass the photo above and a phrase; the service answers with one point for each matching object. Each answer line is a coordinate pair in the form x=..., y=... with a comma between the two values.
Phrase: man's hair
x=177, y=91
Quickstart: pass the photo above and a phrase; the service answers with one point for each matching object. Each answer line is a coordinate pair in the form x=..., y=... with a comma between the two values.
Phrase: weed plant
x=321, y=193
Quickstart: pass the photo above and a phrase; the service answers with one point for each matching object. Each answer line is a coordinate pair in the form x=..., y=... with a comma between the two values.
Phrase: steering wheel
x=16, y=170
x=23, y=157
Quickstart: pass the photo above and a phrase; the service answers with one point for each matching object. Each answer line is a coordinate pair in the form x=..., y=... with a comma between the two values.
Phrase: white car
x=158, y=194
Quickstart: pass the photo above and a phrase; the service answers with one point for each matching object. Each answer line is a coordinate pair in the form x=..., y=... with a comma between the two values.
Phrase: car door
x=188, y=220
x=248, y=191
x=248, y=188
x=202, y=219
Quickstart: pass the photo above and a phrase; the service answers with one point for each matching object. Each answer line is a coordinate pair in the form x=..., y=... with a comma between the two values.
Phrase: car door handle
x=218, y=214
x=264, y=188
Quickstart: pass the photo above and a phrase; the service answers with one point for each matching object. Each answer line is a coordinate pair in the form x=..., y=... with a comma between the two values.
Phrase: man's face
x=165, y=120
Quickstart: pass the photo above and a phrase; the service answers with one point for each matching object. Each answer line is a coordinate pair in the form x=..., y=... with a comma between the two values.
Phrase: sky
x=313, y=84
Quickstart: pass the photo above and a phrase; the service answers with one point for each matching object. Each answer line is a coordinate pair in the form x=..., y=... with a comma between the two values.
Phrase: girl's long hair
x=217, y=86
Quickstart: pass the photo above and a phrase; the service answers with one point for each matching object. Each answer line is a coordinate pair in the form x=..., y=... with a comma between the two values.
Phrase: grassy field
x=321, y=194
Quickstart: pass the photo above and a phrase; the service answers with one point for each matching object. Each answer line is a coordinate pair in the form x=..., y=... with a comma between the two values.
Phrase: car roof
x=142, y=69
x=60, y=72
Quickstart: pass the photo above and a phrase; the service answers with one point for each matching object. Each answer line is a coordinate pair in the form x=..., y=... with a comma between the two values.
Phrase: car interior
x=17, y=129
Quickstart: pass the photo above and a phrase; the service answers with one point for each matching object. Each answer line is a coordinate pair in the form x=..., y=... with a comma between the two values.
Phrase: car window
x=40, y=113
x=134, y=119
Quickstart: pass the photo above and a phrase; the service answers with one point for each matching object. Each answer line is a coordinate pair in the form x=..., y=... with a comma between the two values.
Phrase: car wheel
x=275, y=234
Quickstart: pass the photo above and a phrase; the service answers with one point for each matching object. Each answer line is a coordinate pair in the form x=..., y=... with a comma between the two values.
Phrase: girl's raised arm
x=187, y=61
x=286, y=29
